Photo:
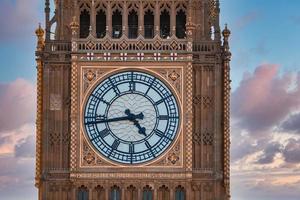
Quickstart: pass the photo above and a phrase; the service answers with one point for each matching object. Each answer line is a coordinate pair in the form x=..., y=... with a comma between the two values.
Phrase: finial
x=40, y=36
x=226, y=32
x=74, y=27
x=74, y=24
x=39, y=31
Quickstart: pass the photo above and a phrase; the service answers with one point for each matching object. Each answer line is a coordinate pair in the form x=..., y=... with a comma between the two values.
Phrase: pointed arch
x=180, y=193
x=147, y=193
x=117, y=23
x=165, y=23
x=115, y=193
x=180, y=24
x=133, y=21
x=149, y=24
x=84, y=23
x=82, y=193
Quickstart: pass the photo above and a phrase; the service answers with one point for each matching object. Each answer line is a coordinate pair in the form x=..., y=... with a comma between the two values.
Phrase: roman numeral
x=132, y=86
x=150, y=148
x=153, y=80
x=148, y=145
x=159, y=133
x=115, y=88
x=100, y=99
x=131, y=148
x=104, y=133
x=163, y=117
x=162, y=100
x=115, y=144
x=167, y=117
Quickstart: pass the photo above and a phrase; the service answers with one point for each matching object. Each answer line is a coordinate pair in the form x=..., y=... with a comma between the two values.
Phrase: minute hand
x=109, y=120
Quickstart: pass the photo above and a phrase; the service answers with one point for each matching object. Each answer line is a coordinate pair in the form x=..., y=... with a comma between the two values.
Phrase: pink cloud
x=263, y=99
x=17, y=104
x=18, y=18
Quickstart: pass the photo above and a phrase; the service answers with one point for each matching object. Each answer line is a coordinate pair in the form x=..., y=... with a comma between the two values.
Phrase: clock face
x=131, y=117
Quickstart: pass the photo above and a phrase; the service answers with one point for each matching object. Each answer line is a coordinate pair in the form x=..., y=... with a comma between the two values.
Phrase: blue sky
x=265, y=97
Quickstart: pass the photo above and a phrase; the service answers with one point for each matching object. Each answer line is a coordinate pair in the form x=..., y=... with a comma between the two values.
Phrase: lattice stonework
x=74, y=115
x=39, y=123
x=189, y=116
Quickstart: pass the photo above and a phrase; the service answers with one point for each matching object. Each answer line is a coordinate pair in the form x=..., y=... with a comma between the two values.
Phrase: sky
x=265, y=100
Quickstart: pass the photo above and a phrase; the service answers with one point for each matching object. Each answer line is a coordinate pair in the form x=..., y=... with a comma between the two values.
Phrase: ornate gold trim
x=39, y=111
x=103, y=71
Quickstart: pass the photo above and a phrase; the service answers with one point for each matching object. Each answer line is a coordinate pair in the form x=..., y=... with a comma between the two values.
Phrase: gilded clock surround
x=173, y=76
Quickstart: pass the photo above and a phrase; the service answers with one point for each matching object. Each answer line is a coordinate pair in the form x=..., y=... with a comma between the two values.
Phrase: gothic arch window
x=164, y=24
x=149, y=24
x=147, y=193
x=131, y=193
x=115, y=193
x=180, y=24
x=84, y=23
x=82, y=193
x=117, y=24
x=99, y=192
x=179, y=193
x=163, y=193
x=101, y=24
x=133, y=21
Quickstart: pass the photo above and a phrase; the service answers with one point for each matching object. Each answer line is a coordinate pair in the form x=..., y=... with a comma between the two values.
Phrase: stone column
x=107, y=190
x=139, y=188
x=173, y=19
x=157, y=18
x=109, y=20
x=172, y=197
x=125, y=20
x=90, y=192
x=93, y=18
x=141, y=19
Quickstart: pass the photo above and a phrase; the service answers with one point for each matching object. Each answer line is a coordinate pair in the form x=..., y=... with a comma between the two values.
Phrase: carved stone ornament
x=90, y=75
x=174, y=77
x=89, y=157
x=55, y=102
x=172, y=158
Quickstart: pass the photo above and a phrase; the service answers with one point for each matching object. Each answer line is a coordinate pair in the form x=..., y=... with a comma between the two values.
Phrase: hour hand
x=142, y=130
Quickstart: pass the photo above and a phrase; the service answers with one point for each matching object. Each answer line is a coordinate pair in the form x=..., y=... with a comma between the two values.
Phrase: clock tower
x=133, y=101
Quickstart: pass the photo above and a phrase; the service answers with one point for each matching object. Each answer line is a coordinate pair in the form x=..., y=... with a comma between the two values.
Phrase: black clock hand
x=130, y=117
x=142, y=130
x=108, y=120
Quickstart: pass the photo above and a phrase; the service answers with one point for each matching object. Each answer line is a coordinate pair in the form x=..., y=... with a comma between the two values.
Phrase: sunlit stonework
x=133, y=101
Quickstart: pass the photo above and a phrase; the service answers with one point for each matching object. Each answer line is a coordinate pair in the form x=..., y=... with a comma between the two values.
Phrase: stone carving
x=55, y=102
x=205, y=137
x=54, y=138
x=89, y=157
x=203, y=101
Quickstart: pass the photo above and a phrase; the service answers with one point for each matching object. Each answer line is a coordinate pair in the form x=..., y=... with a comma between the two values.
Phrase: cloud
x=17, y=104
x=264, y=98
x=25, y=147
x=269, y=153
x=247, y=19
x=18, y=18
x=292, y=124
x=291, y=151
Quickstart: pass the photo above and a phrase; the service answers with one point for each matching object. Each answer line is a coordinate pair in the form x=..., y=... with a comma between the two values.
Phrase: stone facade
x=197, y=68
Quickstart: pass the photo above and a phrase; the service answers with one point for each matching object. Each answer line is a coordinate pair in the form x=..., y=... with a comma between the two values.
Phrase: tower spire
x=47, y=19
